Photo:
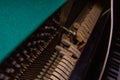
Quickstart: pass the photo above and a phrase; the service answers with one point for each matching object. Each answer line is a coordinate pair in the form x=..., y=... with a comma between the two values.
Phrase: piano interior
x=70, y=45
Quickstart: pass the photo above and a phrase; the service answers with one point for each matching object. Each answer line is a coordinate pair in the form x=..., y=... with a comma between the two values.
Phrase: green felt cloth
x=19, y=18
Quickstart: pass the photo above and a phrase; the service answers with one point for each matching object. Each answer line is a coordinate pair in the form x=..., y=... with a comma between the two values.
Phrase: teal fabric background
x=19, y=18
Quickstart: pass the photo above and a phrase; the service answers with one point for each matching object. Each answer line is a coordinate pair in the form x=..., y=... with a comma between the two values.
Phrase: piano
x=59, y=40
